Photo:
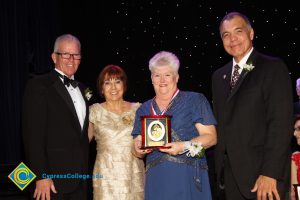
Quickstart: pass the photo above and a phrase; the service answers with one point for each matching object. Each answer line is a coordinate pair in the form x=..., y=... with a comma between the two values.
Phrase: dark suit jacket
x=53, y=140
x=255, y=123
x=297, y=108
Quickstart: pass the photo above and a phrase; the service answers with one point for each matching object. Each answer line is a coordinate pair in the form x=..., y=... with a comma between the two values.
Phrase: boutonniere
x=248, y=67
x=224, y=76
x=127, y=120
x=88, y=93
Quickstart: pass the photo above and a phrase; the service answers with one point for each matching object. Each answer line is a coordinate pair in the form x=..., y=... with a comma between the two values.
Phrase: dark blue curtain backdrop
x=128, y=33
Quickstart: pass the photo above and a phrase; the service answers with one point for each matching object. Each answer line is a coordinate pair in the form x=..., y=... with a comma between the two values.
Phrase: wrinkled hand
x=173, y=148
x=266, y=188
x=138, y=146
x=42, y=189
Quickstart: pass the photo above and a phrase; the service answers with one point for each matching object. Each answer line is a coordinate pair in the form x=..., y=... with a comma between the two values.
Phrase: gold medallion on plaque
x=156, y=131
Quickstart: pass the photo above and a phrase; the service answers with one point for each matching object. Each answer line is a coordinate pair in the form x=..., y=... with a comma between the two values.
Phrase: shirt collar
x=60, y=72
x=243, y=61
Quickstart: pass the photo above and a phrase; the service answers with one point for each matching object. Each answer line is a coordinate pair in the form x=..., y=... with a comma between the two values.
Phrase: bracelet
x=186, y=147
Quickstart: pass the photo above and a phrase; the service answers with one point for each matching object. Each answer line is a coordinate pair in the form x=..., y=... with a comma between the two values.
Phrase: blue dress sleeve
x=201, y=109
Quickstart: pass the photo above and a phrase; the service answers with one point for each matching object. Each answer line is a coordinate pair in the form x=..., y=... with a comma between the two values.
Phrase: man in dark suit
x=253, y=108
x=55, y=121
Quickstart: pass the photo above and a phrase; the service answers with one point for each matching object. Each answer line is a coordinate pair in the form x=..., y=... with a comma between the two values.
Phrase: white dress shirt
x=241, y=63
x=77, y=99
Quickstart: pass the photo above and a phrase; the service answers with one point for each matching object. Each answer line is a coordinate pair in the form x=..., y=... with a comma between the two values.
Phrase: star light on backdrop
x=129, y=33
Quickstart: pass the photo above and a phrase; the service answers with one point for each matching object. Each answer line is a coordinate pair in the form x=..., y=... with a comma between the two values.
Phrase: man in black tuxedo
x=55, y=121
x=253, y=106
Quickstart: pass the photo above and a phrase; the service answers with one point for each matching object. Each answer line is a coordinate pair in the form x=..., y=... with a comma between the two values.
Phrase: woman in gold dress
x=111, y=122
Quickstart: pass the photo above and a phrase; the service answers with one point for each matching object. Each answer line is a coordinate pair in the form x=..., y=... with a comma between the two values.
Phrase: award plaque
x=297, y=191
x=156, y=131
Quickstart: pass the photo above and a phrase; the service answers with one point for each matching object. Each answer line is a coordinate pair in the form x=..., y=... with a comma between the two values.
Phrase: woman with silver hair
x=177, y=170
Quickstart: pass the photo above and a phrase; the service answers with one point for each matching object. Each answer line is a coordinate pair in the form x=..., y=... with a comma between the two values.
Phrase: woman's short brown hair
x=111, y=72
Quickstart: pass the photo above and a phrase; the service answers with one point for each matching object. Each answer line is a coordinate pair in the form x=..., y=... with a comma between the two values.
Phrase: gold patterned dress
x=121, y=174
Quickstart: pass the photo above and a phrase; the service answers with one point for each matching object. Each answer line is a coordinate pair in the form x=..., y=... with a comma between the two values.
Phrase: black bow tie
x=68, y=81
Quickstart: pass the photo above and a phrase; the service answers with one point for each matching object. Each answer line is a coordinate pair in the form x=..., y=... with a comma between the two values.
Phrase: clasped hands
x=173, y=148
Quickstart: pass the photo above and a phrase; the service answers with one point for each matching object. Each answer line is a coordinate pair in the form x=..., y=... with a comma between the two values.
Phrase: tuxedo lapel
x=62, y=91
x=226, y=78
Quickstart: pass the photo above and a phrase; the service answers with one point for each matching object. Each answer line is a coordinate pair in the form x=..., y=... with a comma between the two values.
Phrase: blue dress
x=178, y=177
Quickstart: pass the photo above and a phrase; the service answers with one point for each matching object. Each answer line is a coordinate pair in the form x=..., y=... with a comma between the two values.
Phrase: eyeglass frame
x=69, y=55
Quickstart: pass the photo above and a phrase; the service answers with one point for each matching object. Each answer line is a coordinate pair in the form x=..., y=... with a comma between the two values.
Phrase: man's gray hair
x=63, y=38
